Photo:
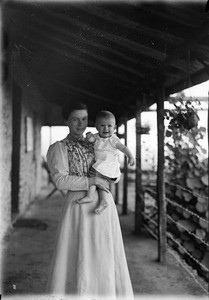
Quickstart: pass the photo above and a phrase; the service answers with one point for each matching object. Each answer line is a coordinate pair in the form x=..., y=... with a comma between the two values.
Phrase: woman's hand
x=101, y=183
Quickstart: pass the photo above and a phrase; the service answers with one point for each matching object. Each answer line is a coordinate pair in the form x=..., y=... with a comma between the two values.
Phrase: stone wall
x=32, y=107
x=5, y=159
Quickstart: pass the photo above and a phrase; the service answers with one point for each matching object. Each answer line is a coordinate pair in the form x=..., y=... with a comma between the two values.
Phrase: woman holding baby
x=88, y=258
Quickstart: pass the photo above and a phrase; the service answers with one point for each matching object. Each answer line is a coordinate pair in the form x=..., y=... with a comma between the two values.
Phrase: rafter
x=114, y=18
x=100, y=58
x=195, y=79
x=205, y=65
x=81, y=60
x=104, y=52
x=184, y=13
x=119, y=40
x=71, y=45
x=85, y=92
x=66, y=33
x=190, y=42
x=169, y=16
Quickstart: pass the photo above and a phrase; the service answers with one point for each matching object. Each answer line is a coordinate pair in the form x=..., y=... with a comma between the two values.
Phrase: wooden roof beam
x=184, y=12
x=127, y=23
x=84, y=61
x=121, y=41
x=195, y=79
x=191, y=42
x=107, y=61
x=205, y=65
x=67, y=33
x=169, y=16
x=95, y=56
x=173, y=69
x=100, y=58
x=67, y=86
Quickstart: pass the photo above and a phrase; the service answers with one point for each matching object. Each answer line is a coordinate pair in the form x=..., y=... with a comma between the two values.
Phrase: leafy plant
x=185, y=156
x=187, y=176
x=184, y=116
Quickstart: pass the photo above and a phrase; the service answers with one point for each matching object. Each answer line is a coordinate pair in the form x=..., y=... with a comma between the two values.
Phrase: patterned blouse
x=80, y=156
x=69, y=163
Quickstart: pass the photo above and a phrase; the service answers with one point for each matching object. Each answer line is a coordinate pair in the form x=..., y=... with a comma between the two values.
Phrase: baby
x=106, y=146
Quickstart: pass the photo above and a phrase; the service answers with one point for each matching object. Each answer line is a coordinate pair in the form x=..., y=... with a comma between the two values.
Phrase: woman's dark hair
x=70, y=107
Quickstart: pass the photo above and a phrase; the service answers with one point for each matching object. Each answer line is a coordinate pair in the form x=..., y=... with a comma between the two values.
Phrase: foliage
x=184, y=116
x=184, y=154
x=187, y=181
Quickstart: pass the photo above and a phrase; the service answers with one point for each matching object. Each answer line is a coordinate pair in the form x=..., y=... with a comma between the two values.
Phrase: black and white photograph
x=104, y=149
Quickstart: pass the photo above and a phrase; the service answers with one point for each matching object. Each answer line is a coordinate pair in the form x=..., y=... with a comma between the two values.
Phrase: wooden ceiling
x=109, y=53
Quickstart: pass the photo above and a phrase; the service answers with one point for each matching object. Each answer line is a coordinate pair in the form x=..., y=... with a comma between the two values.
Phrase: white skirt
x=89, y=257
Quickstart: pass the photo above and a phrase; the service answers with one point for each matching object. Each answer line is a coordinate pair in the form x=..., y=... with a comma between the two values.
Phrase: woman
x=89, y=257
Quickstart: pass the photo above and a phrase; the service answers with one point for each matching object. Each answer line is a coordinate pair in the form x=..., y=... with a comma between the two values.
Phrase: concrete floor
x=28, y=248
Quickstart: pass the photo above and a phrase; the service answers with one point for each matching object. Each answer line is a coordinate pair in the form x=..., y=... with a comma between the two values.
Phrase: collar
x=72, y=138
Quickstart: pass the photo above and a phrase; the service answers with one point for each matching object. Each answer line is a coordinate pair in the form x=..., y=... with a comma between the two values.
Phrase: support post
x=139, y=203
x=208, y=148
x=117, y=184
x=50, y=135
x=160, y=171
x=125, y=175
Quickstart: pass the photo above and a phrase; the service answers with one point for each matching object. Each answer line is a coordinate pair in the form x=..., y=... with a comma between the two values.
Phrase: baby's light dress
x=89, y=257
x=107, y=156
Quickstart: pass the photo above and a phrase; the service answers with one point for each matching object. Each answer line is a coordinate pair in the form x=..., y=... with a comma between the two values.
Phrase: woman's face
x=77, y=122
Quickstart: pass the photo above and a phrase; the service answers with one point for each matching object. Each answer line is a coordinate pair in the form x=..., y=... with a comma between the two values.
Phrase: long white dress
x=89, y=258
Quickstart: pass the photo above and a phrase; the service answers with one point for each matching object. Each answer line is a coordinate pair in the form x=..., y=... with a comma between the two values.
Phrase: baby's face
x=105, y=127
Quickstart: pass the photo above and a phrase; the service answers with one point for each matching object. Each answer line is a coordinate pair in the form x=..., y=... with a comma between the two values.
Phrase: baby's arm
x=127, y=152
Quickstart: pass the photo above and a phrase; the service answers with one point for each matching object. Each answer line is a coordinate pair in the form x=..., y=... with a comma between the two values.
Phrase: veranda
x=122, y=57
